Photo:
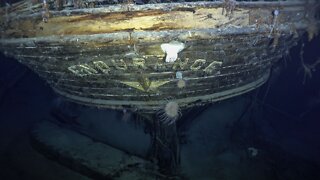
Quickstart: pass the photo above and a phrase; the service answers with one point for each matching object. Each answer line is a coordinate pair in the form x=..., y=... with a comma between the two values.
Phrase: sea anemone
x=181, y=84
x=170, y=113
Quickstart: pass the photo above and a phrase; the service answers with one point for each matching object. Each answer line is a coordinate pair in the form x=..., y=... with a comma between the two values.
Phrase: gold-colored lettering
x=212, y=68
x=120, y=64
x=82, y=70
x=139, y=63
x=180, y=65
x=101, y=66
x=198, y=64
x=159, y=66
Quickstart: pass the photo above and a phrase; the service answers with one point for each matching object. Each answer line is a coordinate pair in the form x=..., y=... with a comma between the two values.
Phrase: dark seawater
x=270, y=133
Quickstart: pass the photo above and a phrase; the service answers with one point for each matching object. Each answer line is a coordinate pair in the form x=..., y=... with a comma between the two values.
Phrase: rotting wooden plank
x=150, y=20
x=201, y=83
x=150, y=105
x=96, y=160
x=61, y=77
x=96, y=50
x=149, y=67
x=190, y=50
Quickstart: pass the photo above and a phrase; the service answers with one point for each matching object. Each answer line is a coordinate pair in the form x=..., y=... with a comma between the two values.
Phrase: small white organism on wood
x=170, y=113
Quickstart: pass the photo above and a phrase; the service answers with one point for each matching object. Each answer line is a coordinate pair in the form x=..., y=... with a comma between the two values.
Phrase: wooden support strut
x=165, y=147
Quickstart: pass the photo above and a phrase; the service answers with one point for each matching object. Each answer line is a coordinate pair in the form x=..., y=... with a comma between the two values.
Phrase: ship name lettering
x=198, y=64
x=120, y=64
x=82, y=70
x=100, y=67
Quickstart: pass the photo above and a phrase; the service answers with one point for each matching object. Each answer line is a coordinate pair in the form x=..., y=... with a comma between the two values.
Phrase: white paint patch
x=172, y=49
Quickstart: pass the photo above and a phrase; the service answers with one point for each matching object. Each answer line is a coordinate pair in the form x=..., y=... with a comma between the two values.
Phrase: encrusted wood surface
x=112, y=57
x=149, y=17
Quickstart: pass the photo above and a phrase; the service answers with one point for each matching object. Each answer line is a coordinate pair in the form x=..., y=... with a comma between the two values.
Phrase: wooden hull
x=113, y=57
